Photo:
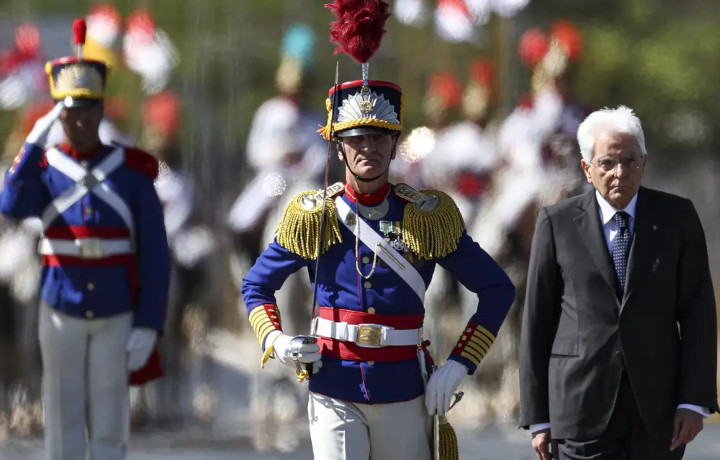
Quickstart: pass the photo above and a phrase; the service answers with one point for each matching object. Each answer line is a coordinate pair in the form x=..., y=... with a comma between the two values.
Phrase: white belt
x=366, y=335
x=88, y=248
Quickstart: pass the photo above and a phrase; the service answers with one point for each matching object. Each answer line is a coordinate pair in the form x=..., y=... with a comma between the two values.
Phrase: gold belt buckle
x=90, y=248
x=369, y=335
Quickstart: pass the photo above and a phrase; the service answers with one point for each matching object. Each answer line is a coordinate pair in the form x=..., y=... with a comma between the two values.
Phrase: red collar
x=67, y=148
x=367, y=199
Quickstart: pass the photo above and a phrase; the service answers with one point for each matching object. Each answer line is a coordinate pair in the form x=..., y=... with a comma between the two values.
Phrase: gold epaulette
x=432, y=223
x=300, y=224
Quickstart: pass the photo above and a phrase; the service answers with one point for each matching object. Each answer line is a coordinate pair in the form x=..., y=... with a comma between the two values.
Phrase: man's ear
x=586, y=170
x=394, y=148
x=339, y=149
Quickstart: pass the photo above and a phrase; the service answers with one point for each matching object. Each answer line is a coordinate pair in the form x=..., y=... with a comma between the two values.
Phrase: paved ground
x=492, y=443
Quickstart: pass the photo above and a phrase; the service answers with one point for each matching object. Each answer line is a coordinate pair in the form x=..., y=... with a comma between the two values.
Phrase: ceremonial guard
x=370, y=248
x=105, y=262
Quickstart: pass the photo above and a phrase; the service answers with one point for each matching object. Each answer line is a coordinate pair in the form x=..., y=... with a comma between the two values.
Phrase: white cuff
x=535, y=427
x=704, y=411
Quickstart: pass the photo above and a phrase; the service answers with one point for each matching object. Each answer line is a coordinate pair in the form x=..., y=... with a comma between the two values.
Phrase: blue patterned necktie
x=621, y=249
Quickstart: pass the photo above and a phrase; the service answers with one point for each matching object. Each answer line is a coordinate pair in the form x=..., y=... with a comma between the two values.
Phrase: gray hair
x=620, y=120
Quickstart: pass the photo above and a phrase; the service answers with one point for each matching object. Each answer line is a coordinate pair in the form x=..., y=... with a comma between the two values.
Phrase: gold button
x=371, y=310
x=367, y=284
x=371, y=363
x=468, y=330
x=89, y=314
x=88, y=210
x=84, y=164
x=90, y=286
x=366, y=260
x=459, y=345
x=464, y=337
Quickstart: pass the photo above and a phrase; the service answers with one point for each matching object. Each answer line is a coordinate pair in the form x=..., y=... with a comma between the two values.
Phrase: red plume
x=533, y=46
x=359, y=27
x=79, y=30
x=568, y=37
x=481, y=71
x=447, y=87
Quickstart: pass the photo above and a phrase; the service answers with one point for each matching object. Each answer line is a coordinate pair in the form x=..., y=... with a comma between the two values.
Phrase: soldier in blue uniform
x=105, y=264
x=377, y=252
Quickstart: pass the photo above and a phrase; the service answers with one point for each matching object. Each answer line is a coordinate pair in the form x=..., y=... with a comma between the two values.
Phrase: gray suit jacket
x=577, y=337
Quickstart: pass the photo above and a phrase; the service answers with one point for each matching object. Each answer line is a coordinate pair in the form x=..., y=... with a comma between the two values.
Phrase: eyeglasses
x=609, y=165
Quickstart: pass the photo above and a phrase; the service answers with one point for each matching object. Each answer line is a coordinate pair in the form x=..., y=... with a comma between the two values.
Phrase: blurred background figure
x=148, y=51
x=191, y=244
x=22, y=76
x=104, y=25
x=23, y=90
x=546, y=75
x=287, y=156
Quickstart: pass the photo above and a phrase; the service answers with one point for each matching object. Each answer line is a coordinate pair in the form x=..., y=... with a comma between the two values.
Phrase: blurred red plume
x=447, y=87
x=108, y=11
x=140, y=24
x=481, y=72
x=27, y=39
x=79, y=31
x=567, y=35
x=162, y=111
x=533, y=46
x=359, y=27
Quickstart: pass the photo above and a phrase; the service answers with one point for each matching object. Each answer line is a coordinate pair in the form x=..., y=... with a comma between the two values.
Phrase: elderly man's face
x=368, y=155
x=617, y=167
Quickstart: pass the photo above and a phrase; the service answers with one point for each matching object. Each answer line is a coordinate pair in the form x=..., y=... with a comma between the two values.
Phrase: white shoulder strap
x=86, y=182
x=377, y=243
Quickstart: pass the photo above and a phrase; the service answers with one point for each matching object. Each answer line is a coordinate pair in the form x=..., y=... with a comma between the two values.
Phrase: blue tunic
x=341, y=286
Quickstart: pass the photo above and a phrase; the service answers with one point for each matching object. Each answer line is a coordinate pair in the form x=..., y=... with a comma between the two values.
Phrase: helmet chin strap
x=363, y=179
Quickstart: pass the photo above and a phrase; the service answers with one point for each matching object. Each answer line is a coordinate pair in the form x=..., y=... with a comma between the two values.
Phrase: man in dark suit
x=619, y=341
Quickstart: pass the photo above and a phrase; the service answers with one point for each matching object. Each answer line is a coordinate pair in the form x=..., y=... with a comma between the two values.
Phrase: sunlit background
x=493, y=92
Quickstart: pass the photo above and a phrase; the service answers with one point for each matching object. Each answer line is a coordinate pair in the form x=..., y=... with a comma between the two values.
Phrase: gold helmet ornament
x=76, y=81
x=361, y=106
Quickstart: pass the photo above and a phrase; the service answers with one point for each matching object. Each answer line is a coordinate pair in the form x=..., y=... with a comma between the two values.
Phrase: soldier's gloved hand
x=441, y=386
x=295, y=351
x=38, y=135
x=139, y=346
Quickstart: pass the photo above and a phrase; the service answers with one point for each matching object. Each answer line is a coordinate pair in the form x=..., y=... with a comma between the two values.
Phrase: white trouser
x=342, y=430
x=84, y=385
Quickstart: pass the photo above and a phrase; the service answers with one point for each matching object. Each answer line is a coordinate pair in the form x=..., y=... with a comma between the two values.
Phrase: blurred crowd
x=499, y=169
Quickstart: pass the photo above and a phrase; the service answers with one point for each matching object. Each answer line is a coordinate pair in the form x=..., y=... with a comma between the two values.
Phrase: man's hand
x=293, y=350
x=541, y=440
x=139, y=347
x=441, y=386
x=687, y=425
x=38, y=135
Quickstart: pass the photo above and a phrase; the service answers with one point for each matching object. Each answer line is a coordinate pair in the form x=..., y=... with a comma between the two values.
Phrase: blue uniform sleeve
x=153, y=258
x=23, y=194
x=270, y=271
x=268, y=274
x=479, y=273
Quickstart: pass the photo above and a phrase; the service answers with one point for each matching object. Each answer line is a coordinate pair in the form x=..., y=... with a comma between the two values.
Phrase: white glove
x=40, y=131
x=139, y=346
x=294, y=352
x=441, y=386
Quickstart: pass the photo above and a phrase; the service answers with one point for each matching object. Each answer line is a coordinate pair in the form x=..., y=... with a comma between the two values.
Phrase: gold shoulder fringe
x=300, y=224
x=434, y=232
